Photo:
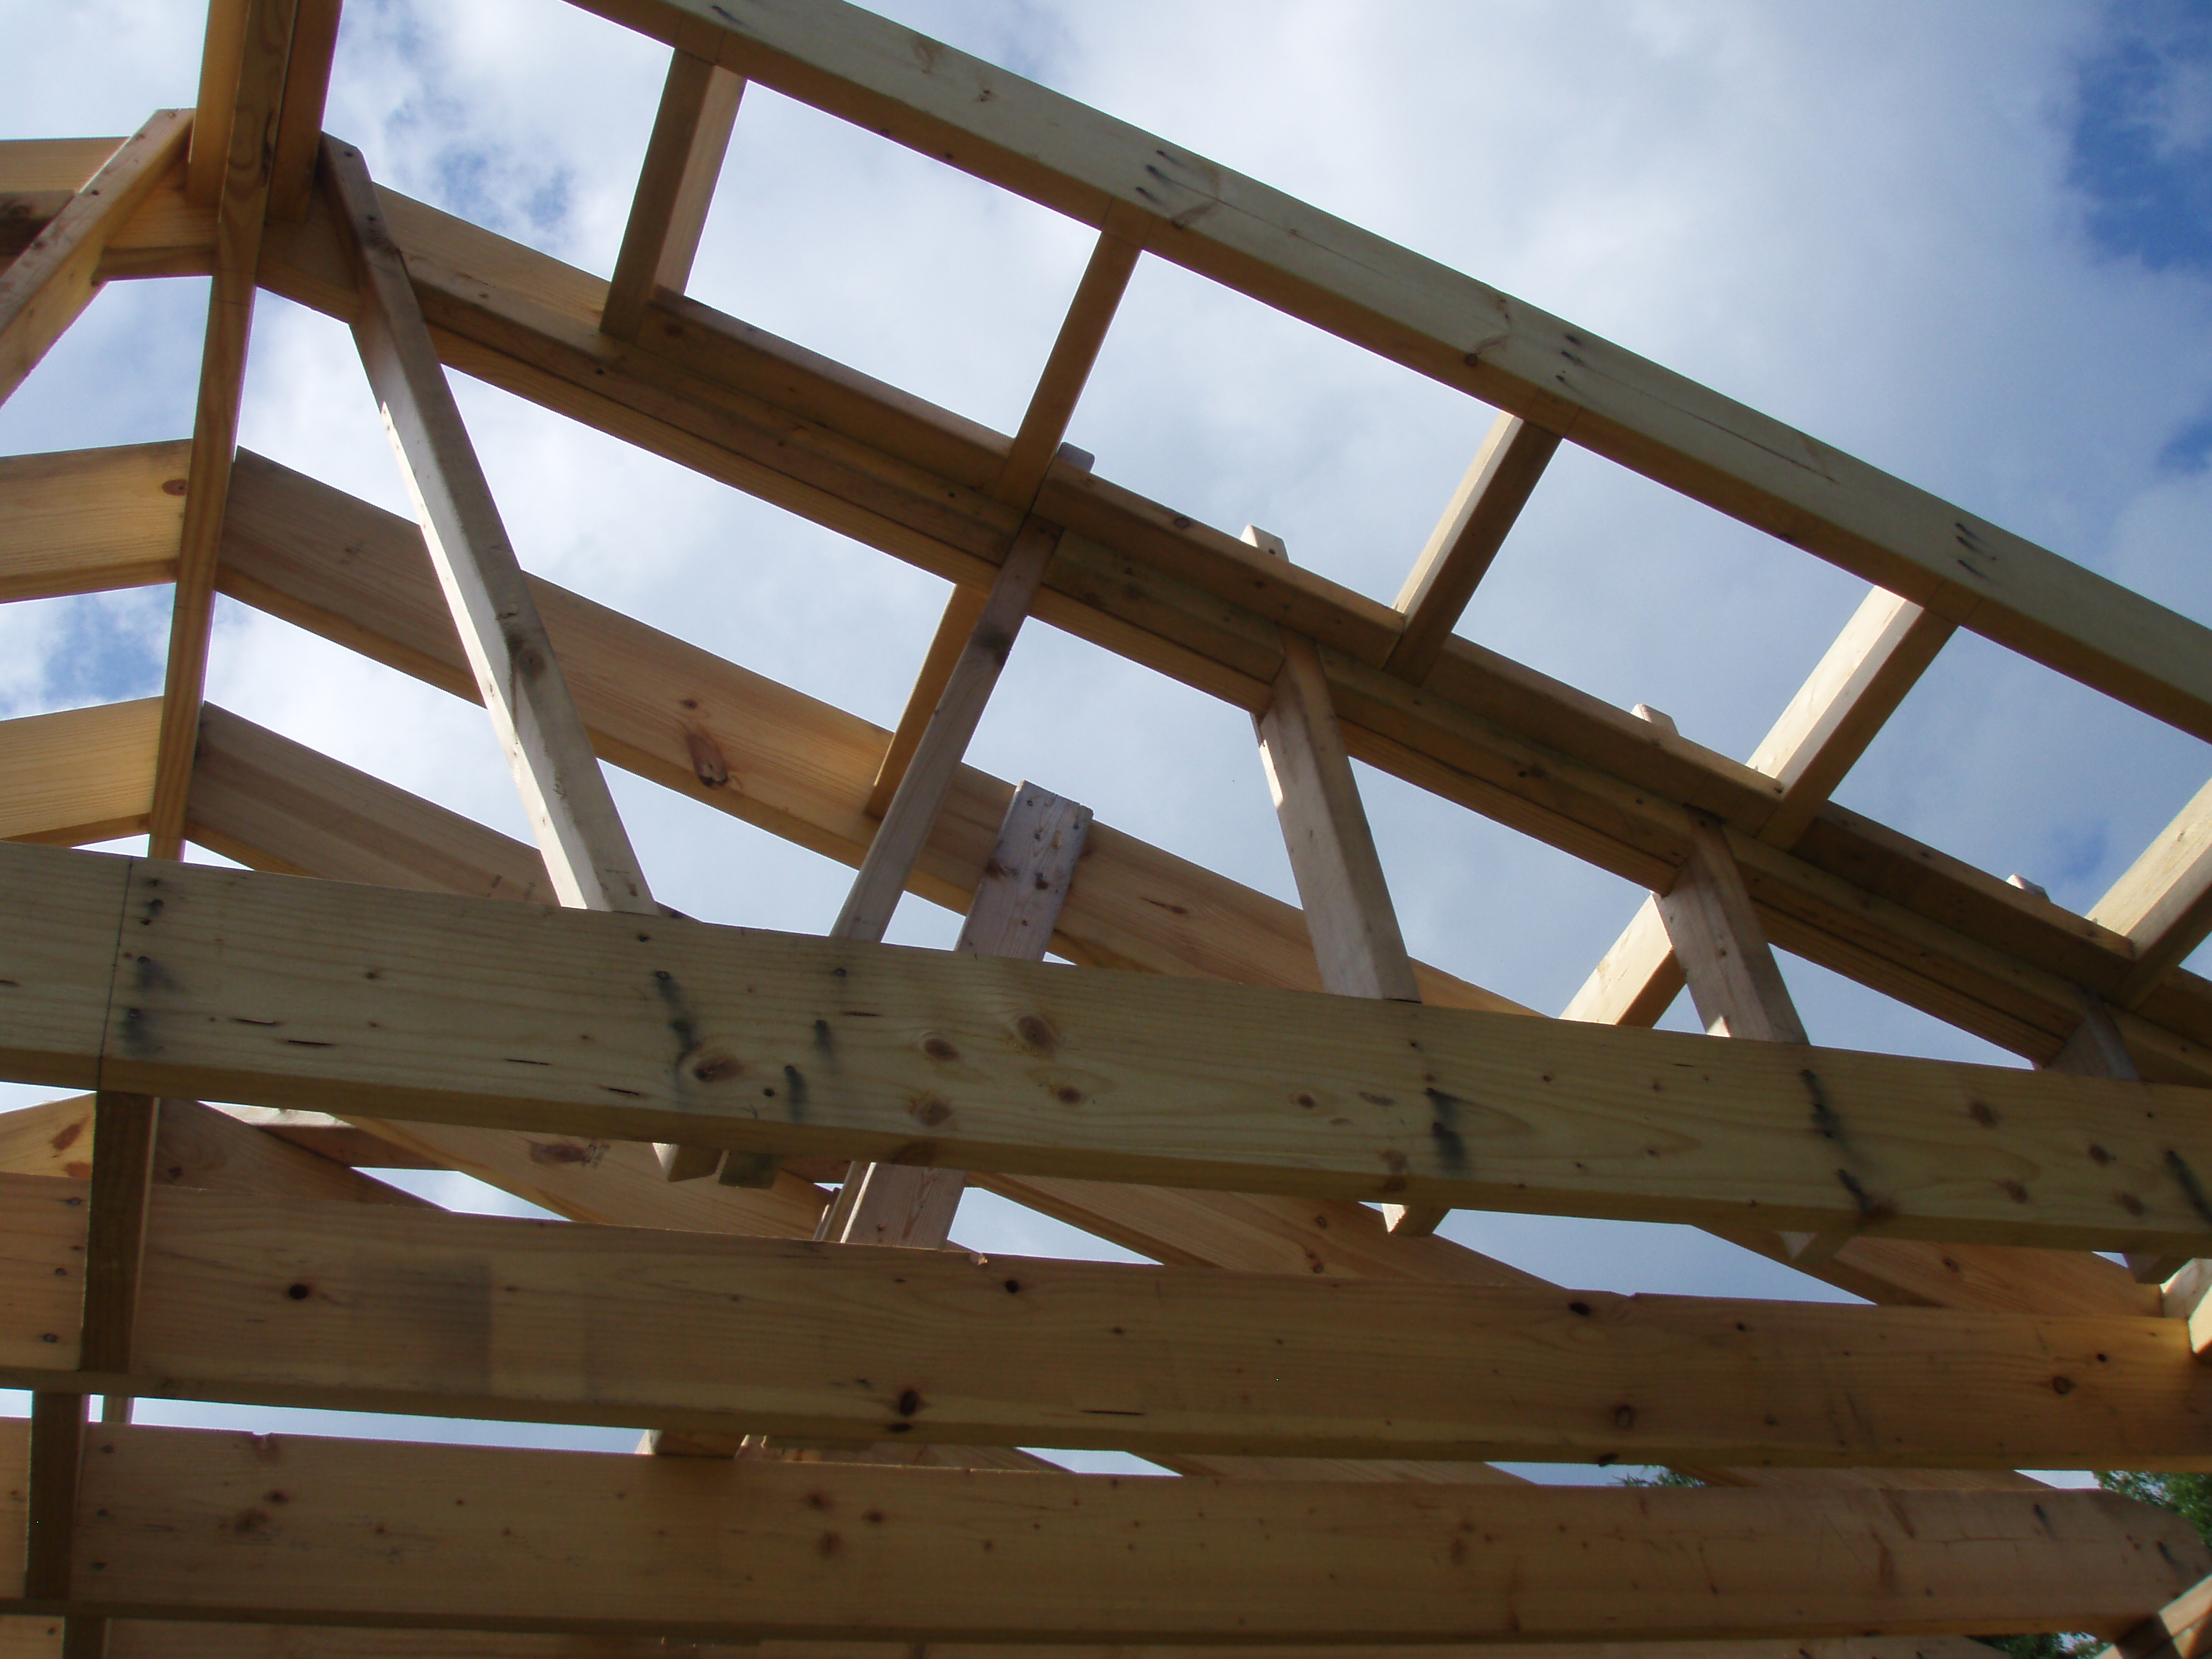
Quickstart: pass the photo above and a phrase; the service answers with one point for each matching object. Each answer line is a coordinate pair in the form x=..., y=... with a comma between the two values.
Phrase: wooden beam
x=78, y=775
x=1017, y=904
x=620, y=1326
x=2182, y=1629
x=1066, y=369
x=300, y=126
x=912, y=814
x=1029, y=458
x=518, y=678
x=1355, y=284
x=2163, y=904
x=47, y=285
x=1498, y=485
x=1851, y=692
x=90, y=520
x=115, y=1234
x=273, y=804
x=675, y=188
x=1346, y=898
x=548, y=1539
x=223, y=56
x=798, y=1046
x=241, y=212
x=1339, y=877
x=1582, y=775
x=140, y=1638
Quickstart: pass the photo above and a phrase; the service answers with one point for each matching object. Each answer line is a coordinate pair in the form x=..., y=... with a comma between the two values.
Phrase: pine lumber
x=78, y=775
x=252, y=95
x=2162, y=904
x=45, y=287
x=675, y=188
x=1499, y=483
x=301, y=1301
x=1359, y=286
x=90, y=520
x=589, y=1023
x=182, y=1522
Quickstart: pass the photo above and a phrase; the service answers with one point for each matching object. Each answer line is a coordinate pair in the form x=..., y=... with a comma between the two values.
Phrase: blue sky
x=1972, y=244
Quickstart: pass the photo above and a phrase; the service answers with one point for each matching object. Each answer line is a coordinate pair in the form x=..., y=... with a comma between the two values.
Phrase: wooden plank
x=1067, y=369
x=1731, y=970
x=1182, y=1085
x=1029, y=457
x=89, y=519
x=1339, y=877
x=1638, y=979
x=545, y=1539
x=222, y=55
x=1017, y=904
x=675, y=188
x=1041, y=144
x=306, y=815
x=79, y=775
x=1498, y=485
x=518, y=676
x=417, y=1311
x=526, y=326
x=46, y=1021
x=241, y=212
x=135, y=1638
x=300, y=123
x=199, y=1146
x=2163, y=904
x=2182, y=1629
x=920, y=793
x=48, y=284
x=115, y=1235
x=1852, y=690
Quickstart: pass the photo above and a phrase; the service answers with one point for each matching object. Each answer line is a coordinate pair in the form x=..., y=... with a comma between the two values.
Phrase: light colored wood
x=90, y=520
x=114, y=1203
x=45, y=288
x=1339, y=878
x=79, y=775
x=1059, y=386
x=52, y=1139
x=1714, y=928
x=547, y=1539
x=199, y=1146
x=1044, y=424
x=675, y=188
x=1366, y=290
x=529, y=328
x=137, y=1639
x=2163, y=904
x=1498, y=485
x=1017, y=902
x=300, y=122
x=912, y=814
x=1637, y=980
x=2180, y=1629
x=330, y=1139
x=1852, y=690
x=963, y=608
x=413, y=1310
x=221, y=57
x=272, y=804
x=518, y=676
x=241, y=212
x=2185, y=1297
x=1182, y=1085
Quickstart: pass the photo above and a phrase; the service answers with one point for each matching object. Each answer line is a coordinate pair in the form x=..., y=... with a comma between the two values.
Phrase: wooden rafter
x=675, y=188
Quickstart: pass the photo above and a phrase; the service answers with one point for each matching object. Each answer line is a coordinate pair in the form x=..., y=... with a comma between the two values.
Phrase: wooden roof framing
x=836, y=1421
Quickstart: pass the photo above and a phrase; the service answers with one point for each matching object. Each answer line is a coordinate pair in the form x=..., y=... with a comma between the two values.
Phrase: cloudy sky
x=1970, y=244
